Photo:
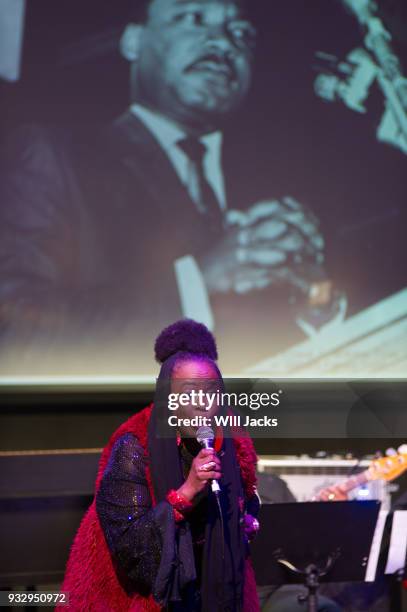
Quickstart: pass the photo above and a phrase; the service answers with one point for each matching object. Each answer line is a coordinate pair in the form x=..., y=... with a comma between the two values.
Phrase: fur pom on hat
x=186, y=336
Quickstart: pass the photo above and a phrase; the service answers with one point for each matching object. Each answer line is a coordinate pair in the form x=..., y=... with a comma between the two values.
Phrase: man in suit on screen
x=109, y=234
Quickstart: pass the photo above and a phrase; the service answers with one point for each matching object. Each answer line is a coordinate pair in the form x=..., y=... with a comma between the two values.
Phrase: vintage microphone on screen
x=206, y=438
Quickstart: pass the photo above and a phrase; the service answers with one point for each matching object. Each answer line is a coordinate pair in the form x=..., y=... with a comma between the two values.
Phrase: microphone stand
x=311, y=573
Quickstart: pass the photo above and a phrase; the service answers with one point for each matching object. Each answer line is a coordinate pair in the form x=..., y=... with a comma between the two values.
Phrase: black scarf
x=222, y=579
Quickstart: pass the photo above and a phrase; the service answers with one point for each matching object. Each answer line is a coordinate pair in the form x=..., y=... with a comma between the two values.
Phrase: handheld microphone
x=206, y=438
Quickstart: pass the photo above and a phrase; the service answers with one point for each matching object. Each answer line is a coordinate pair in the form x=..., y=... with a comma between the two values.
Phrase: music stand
x=314, y=542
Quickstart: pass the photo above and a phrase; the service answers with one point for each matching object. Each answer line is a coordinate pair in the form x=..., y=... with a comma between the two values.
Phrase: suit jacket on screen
x=92, y=221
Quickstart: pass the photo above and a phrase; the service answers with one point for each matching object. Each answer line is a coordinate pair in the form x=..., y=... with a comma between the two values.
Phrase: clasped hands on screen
x=272, y=242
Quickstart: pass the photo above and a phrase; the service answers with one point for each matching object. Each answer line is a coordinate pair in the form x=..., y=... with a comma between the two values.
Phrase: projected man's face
x=194, y=59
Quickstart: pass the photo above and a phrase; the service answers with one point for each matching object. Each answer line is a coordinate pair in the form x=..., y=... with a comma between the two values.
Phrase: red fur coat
x=90, y=578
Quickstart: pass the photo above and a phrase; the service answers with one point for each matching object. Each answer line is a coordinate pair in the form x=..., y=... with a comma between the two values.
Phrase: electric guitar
x=385, y=468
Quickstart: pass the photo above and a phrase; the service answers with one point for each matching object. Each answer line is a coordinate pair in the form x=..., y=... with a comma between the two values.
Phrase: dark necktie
x=207, y=201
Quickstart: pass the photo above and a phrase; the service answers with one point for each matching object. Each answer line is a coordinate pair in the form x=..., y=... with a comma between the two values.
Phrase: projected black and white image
x=239, y=163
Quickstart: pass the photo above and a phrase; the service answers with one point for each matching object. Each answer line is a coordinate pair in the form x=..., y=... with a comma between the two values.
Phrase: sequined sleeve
x=134, y=530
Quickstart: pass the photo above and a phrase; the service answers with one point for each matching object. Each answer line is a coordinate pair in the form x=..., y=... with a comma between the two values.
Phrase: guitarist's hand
x=334, y=493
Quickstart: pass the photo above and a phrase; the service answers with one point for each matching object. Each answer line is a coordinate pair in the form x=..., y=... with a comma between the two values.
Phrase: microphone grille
x=204, y=433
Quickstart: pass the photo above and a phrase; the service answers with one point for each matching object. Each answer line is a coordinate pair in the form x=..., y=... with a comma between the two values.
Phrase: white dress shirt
x=191, y=286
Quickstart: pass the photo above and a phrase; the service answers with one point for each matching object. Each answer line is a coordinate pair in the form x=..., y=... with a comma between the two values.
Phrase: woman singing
x=156, y=537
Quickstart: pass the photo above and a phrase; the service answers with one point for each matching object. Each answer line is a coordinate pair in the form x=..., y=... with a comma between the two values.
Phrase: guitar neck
x=385, y=468
x=355, y=481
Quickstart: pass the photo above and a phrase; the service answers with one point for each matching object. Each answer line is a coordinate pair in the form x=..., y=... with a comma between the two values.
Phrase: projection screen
x=284, y=231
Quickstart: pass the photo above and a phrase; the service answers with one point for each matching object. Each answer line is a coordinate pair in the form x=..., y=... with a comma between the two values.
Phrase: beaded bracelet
x=180, y=504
